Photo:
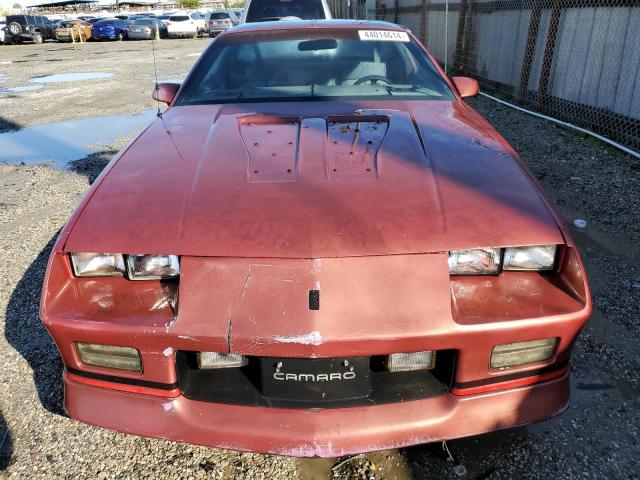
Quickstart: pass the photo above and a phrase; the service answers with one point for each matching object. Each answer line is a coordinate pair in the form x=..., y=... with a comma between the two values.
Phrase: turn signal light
x=110, y=356
x=521, y=353
x=406, y=362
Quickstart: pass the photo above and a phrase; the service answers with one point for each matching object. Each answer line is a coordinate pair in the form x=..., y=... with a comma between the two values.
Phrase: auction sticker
x=383, y=35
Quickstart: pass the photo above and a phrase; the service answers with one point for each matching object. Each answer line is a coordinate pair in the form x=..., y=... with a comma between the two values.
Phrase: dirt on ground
x=597, y=437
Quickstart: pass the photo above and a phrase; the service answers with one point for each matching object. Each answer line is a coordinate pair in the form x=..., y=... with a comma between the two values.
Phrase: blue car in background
x=110, y=29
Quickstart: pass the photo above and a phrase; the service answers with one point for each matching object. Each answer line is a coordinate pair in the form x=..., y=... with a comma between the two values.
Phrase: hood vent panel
x=272, y=147
x=352, y=147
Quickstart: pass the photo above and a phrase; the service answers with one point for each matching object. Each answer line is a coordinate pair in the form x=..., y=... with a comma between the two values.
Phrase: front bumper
x=307, y=433
x=262, y=309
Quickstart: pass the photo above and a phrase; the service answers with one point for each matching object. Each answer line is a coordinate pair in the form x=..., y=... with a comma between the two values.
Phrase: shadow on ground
x=6, y=444
x=26, y=333
x=24, y=329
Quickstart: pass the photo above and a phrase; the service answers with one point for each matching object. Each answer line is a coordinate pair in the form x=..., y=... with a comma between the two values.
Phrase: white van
x=270, y=10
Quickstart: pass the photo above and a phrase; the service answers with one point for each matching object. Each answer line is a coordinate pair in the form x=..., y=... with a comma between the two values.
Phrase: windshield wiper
x=410, y=88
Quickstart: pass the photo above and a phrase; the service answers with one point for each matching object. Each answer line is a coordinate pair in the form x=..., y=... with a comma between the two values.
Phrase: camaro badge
x=310, y=377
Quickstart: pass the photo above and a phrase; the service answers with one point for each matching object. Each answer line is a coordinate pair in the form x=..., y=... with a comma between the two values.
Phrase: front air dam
x=321, y=432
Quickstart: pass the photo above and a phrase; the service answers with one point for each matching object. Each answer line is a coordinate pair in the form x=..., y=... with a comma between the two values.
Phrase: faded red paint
x=360, y=200
x=323, y=433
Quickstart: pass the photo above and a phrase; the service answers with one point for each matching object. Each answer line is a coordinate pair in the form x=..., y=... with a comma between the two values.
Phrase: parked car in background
x=2, y=26
x=110, y=29
x=220, y=21
x=86, y=17
x=164, y=18
x=269, y=10
x=94, y=20
x=147, y=29
x=69, y=30
x=186, y=25
x=35, y=28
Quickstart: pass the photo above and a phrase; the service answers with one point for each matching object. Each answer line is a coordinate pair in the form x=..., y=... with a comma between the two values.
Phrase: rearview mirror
x=467, y=87
x=315, y=45
x=164, y=92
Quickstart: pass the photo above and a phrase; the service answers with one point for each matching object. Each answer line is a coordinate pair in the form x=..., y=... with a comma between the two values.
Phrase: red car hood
x=311, y=180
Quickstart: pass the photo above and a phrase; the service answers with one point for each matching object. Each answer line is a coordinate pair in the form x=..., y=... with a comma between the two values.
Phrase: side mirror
x=164, y=92
x=467, y=87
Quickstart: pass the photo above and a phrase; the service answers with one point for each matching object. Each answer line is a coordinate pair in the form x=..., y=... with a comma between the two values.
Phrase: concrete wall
x=596, y=59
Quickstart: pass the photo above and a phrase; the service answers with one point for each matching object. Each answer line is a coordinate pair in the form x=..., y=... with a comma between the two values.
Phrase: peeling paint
x=312, y=338
x=168, y=407
x=167, y=352
x=187, y=337
x=160, y=304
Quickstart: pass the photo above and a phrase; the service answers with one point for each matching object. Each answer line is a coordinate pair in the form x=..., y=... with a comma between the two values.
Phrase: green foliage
x=190, y=4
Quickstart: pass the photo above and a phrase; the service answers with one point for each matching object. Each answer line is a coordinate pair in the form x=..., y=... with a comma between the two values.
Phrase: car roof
x=316, y=24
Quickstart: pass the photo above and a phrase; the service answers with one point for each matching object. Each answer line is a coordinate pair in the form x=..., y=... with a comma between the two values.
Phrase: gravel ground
x=597, y=437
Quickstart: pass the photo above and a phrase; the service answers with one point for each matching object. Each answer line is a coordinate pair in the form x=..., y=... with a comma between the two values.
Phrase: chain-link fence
x=575, y=60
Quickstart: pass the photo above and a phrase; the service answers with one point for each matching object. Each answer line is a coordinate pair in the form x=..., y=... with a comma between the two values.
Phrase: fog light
x=109, y=356
x=511, y=354
x=221, y=360
x=405, y=362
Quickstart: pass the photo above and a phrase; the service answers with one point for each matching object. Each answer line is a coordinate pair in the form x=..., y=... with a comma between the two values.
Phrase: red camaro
x=318, y=249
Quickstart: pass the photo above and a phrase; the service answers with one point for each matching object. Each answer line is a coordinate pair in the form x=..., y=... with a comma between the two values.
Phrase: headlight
x=147, y=267
x=486, y=261
x=97, y=264
x=539, y=257
x=478, y=261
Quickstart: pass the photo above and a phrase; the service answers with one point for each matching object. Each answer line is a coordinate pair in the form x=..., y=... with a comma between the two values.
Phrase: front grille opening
x=312, y=383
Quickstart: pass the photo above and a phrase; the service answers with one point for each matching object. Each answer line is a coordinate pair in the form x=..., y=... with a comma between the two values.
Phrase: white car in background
x=2, y=25
x=270, y=10
x=186, y=25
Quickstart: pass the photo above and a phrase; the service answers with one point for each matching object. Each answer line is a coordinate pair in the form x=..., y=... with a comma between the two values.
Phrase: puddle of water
x=71, y=77
x=26, y=88
x=59, y=143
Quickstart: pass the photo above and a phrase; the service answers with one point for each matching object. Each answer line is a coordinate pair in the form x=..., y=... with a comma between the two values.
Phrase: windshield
x=265, y=10
x=273, y=66
x=144, y=21
x=219, y=15
x=178, y=18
